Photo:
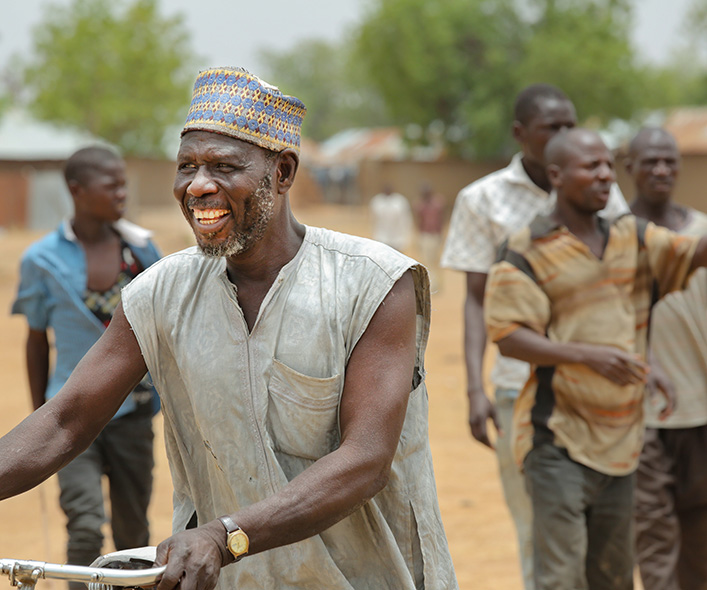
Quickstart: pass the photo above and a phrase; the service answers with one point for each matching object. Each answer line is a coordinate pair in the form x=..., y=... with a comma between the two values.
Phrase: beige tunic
x=679, y=342
x=245, y=412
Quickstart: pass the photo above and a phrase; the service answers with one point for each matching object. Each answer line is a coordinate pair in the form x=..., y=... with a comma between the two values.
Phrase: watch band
x=228, y=523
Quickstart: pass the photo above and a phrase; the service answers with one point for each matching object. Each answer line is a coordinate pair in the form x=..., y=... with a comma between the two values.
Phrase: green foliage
x=583, y=48
x=323, y=77
x=693, y=60
x=460, y=63
x=121, y=71
x=448, y=62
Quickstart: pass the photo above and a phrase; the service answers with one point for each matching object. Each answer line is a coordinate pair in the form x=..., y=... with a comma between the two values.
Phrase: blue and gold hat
x=233, y=102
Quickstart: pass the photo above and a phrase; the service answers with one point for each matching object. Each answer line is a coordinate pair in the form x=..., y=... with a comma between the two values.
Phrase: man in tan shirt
x=671, y=480
x=571, y=295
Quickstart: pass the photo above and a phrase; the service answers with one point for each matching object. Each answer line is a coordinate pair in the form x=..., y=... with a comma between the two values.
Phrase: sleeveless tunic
x=246, y=412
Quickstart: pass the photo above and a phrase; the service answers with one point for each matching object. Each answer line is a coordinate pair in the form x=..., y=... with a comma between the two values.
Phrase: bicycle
x=130, y=568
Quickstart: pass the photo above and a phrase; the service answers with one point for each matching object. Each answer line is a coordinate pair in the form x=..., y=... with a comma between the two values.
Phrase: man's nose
x=661, y=168
x=606, y=172
x=202, y=184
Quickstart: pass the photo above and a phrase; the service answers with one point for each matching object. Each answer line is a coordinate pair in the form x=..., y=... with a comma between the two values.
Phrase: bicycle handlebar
x=25, y=573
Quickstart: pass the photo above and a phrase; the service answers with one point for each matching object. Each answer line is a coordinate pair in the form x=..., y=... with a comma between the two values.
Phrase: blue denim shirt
x=53, y=280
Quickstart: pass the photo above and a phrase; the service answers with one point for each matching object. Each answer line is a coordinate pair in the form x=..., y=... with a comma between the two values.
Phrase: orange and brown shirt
x=549, y=281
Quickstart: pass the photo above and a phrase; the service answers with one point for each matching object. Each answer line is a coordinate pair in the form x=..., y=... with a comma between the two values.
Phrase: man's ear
x=75, y=188
x=518, y=132
x=628, y=164
x=554, y=175
x=287, y=165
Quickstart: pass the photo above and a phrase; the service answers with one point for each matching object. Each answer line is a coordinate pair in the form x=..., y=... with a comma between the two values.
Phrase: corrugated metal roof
x=25, y=138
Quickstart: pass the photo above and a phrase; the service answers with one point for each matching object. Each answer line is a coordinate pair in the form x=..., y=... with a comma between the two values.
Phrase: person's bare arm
x=374, y=402
x=660, y=384
x=480, y=407
x=616, y=365
x=37, y=357
x=699, y=259
x=64, y=426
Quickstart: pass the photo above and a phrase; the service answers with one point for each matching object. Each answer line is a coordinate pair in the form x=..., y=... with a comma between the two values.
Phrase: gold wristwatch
x=237, y=541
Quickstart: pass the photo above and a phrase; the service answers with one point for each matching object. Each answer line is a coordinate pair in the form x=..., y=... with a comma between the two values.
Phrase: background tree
x=447, y=66
x=325, y=78
x=690, y=62
x=583, y=47
x=456, y=65
x=119, y=70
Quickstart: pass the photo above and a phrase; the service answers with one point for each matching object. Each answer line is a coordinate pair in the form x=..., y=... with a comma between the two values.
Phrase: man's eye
x=186, y=166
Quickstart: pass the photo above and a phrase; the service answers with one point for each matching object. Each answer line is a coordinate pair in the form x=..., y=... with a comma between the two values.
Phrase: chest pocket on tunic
x=303, y=412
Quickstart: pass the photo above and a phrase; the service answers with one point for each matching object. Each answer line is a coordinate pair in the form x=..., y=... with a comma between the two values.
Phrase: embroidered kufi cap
x=234, y=102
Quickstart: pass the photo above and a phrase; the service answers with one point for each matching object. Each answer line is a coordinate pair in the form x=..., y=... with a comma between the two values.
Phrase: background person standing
x=671, y=480
x=392, y=218
x=485, y=214
x=429, y=213
x=70, y=283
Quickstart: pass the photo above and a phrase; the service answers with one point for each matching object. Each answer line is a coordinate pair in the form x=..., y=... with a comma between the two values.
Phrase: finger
x=479, y=432
x=638, y=370
x=161, y=555
x=666, y=412
x=170, y=578
x=670, y=396
x=493, y=414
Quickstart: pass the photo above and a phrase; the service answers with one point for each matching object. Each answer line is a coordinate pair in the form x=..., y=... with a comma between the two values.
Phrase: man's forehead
x=583, y=146
x=657, y=146
x=214, y=143
x=590, y=148
x=547, y=107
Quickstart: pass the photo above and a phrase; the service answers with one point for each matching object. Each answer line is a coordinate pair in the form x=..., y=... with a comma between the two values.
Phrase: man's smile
x=209, y=216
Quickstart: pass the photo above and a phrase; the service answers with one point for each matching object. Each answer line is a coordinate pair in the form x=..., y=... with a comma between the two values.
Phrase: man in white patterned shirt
x=486, y=212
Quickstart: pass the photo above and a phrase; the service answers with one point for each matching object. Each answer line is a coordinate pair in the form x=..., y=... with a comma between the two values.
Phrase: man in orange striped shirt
x=571, y=295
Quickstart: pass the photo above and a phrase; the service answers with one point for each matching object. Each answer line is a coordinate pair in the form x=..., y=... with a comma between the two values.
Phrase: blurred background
x=399, y=92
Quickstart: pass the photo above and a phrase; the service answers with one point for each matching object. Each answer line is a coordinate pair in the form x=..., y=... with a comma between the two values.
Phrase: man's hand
x=660, y=383
x=616, y=365
x=193, y=558
x=481, y=410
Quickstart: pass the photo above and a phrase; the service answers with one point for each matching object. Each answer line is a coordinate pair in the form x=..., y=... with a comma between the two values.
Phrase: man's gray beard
x=239, y=242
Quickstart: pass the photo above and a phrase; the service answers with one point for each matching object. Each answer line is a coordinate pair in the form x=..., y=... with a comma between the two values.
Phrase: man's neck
x=665, y=213
x=91, y=232
x=262, y=263
x=536, y=172
x=584, y=226
x=254, y=271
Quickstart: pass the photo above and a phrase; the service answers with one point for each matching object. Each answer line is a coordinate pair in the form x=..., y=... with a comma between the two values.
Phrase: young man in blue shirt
x=70, y=286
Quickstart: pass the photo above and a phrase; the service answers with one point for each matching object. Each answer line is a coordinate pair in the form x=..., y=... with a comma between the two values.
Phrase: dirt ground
x=479, y=530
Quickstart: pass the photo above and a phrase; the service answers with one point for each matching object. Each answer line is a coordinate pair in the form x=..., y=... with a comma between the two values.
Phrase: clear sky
x=230, y=32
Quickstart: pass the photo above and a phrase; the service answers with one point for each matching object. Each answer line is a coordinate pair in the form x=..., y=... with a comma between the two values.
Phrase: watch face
x=238, y=543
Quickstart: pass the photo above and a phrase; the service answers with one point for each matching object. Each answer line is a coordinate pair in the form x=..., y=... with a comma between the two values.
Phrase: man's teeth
x=209, y=216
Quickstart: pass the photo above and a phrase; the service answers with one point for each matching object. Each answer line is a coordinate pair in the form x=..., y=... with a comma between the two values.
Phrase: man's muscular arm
x=64, y=426
x=378, y=381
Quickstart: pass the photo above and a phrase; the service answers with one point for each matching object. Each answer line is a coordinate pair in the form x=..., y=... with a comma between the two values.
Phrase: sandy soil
x=480, y=533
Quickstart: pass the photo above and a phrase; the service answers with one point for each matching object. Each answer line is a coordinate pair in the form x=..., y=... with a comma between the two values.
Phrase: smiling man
x=70, y=284
x=571, y=295
x=291, y=361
